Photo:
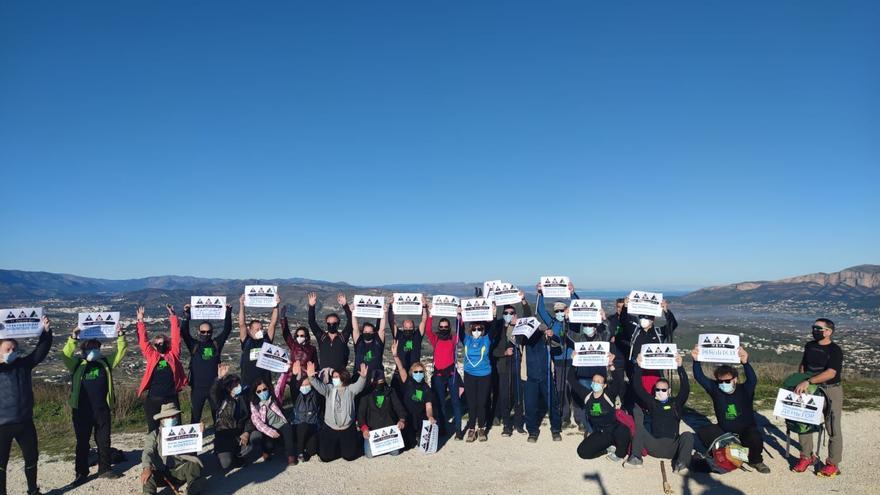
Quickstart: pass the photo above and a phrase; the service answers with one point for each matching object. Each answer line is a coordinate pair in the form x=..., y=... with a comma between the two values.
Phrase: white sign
x=585, y=311
x=208, y=307
x=444, y=306
x=98, y=325
x=718, y=348
x=489, y=288
x=590, y=354
x=555, y=287
x=385, y=440
x=260, y=296
x=645, y=303
x=504, y=293
x=369, y=306
x=659, y=356
x=20, y=323
x=183, y=439
x=407, y=303
x=476, y=309
x=273, y=358
x=428, y=437
x=526, y=327
x=804, y=408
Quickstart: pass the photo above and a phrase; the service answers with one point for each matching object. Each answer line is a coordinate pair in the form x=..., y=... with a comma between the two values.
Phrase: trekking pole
x=170, y=485
x=667, y=488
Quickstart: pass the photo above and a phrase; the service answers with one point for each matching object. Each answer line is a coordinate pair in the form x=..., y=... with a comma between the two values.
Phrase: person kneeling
x=160, y=470
x=602, y=416
x=380, y=409
x=270, y=423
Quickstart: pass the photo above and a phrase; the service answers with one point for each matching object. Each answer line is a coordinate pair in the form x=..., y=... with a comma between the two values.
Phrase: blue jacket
x=16, y=390
x=477, y=355
x=557, y=326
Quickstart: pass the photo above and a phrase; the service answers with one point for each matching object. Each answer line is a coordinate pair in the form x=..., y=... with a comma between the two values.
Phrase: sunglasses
x=477, y=329
x=443, y=327
x=661, y=389
x=205, y=333
x=301, y=335
x=510, y=312
x=559, y=311
x=730, y=380
x=818, y=328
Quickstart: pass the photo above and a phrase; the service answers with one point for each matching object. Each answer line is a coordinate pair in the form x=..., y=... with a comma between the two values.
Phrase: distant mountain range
x=858, y=287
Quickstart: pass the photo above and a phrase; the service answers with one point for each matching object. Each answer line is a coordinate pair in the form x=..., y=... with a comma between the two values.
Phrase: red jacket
x=172, y=357
x=444, y=349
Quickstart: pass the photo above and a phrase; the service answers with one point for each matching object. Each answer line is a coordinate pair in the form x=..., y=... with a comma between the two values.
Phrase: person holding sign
x=232, y=428
x=252, y=337
x=338, y=437
x=664, y=441
x=417, y=397
x=164, y=377
x=578, y=333
x=445, y=378
x=269, y=421
x=161, y=470
x=17, y=405
x=380, y=408
x=507, y=356
x=332, y=342
x=558, y=324
x=639, y=330
x=306, y=412
x=734, y=407
x=824, y=360
x=369, y=345
x=409, y=346
x=204, y=359
x=91, y=397
x=602, y=413
x=477, y=376
x=537, y=372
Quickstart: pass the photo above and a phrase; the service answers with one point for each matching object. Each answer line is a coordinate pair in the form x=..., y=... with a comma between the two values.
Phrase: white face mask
x=589, y=331
x=560, y=316
x=645, y=323
x=337, y=382
x=661, y=396
x=300, y=340
x=305, y=389
x=507, y=318
x=10, y=357
x=258, y=334
x=476, y=334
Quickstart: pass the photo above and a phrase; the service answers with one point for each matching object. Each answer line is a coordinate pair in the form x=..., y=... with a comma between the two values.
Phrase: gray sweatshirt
x=339, y=408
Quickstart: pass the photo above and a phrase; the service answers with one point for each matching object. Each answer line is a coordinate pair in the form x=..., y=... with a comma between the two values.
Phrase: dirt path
x=501, y=465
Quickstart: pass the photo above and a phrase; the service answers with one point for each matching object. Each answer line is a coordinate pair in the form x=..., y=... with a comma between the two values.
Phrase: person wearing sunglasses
x=638, y=330
x=164, y=377
x=445, y=379
x=416, y=395
x=734, y=407
x=252, y=337
x=369, y=346
x=823, y=359
x=333, y=351
x=409, y=345
x=269, y=421
x=506, y=354
x=558, y=323
x=204, y=359
x=664, y=441
x=477, y=376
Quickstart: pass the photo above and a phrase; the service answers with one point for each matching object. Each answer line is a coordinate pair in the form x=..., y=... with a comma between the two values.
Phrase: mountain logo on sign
x=200, y=302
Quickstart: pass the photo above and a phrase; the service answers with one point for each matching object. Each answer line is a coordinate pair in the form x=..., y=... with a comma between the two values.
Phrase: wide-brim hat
x=167, y=411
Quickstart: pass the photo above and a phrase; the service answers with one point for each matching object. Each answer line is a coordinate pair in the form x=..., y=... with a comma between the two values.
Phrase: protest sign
x=446, y=306
x=429, y=437
x=590, y=354
x=273, y=358
x=476, y=309
x=555, y=286
x=585, y=311
x=369, y=306
x=407, y=303
x=208, y=307
x=804, y=408
x=526, y=326
x=20, y=323
x=182, y=439
x=504, y=293
x=718, y=348
x=659, y=356
x=384, y=440
x=98, y=325
x=645, y=303
x=260, y=296
x=489, y=289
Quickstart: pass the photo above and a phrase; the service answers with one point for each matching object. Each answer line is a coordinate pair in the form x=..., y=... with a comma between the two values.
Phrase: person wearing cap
x=536, y=373
x=639, y=330
x=232, y=427
x=560, y=352
x=380, y=408
x=506, y=357
x=160, y=470
x=91, y=397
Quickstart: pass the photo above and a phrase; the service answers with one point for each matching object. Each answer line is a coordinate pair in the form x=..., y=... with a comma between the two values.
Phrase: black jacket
x=665, y=416
x=374, y=416
x=16, y=390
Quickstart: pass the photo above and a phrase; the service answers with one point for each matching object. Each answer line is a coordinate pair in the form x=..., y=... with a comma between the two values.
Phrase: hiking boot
x=760, y=467
x=109, y=474
x=471, y=436
x=496, y=422
x=481, y=435
x=292, y=460
x=265, y=456
x=533, y=438
x=557, y=437
x=680, y=468
x=459, y=435
x=566, y=424
x=521, y=430
x=804, y=463
x=613, y=457
x=507, y=431
x=633, y=462
x=306, y=457
x=828, y=471
x=79, y=479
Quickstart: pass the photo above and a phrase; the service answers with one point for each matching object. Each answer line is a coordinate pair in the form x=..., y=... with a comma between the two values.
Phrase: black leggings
x=476, y=391
x=306, y=439
x=198, y=396
x=26, y=436
x=597, y=443
x=85, y=421
x=152, y=406
x=333, y=444
x=269, y=444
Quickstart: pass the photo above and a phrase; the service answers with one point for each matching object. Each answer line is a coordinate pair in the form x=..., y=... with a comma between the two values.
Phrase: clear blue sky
x=622, y=143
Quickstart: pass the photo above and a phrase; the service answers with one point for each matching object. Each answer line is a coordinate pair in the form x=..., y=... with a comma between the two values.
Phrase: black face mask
x=162, y=348
x=443, y=333
x=204, y=338
x=408, y=331
x=818, y=335
x=381, y=387
x=332, y=327
x=368, y=337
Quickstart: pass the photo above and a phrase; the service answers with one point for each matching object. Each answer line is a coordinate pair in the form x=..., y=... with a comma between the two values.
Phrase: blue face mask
x=305, y=389
x=589, y=331
x=418, y=376
x=337, y=382
x=11, y=357
x=727, y=388
x=169, y=422
x=236, y=390
x=597, y=387
x=264, y=395
x=560, y=316
x=92, y=355
x=508, y=319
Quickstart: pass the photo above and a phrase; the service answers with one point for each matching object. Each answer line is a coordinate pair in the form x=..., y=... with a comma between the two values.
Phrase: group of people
x=510, y=381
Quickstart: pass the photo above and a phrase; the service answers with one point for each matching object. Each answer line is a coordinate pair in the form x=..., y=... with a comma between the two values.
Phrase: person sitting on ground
x=232, y=428
x=338, y=437
x=269, y=421
x=599, y=404
x=380, y=409
x=160, y=470
x=734, y=407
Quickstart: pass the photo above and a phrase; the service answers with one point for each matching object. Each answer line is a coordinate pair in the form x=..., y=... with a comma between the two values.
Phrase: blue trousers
x=440, y=385
x=540, y=398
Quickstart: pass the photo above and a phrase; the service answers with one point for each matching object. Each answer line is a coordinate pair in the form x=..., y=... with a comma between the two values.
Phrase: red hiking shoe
x=828, y=471
x=804, y=464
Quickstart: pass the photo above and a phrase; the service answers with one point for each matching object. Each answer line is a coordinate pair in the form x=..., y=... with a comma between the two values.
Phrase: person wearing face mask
x=409, y=348
x=252, y=337
x=91, y=397
x=17, y=405
x=417, y=397
x=333, y=351
x=638, y=330
x=584, y=332
x=369, y=345
x=734, y=407
x=338, y=437
x=159, y=470
x=445, y=380
x=270, y=425
x=232, y=426
x=204, y=359
x=558, y=323
x=664, y=440
x=507, y=355
x=823, y=359
x=380, y=408
x=477, y=376
x=539, y=369
x=599, y=403
x=301, y=349
x=306, y=412
x=164, y=377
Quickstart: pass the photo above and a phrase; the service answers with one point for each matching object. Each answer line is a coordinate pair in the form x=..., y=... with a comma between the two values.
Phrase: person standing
x=333, y=342
x=252, y=337
x=507, y=355
x=204, y=360
x=445, y=378
x=558, y=324
x=164, y=377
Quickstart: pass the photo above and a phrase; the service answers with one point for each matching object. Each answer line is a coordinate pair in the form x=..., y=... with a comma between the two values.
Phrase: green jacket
x=76, y=366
